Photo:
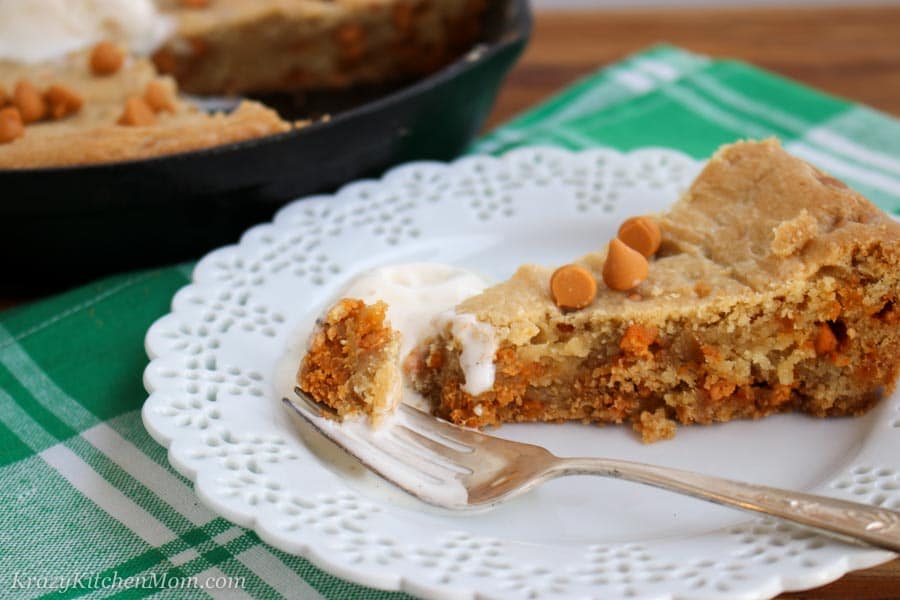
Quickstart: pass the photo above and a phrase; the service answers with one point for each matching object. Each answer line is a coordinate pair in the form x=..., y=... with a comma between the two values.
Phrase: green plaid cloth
x=88, y=501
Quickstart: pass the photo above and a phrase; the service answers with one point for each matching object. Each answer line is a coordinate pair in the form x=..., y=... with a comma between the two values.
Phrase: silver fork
x=462, y=469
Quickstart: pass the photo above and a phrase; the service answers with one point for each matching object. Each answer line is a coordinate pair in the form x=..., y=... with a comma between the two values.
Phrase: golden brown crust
x=775, y=289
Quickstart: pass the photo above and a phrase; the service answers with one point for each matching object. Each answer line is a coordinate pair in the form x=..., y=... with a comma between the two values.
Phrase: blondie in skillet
x=62, y=105
x=101, y=105
x=774, y=288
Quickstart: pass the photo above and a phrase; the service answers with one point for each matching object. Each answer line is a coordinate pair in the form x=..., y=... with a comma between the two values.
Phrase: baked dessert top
x=102, y=127
x=216, y=48
x=745, y=226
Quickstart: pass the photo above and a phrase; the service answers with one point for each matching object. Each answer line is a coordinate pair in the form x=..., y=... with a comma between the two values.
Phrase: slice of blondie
x=352, y=364
x=775, y=289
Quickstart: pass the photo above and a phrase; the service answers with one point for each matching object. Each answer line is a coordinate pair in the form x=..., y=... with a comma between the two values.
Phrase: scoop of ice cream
x=40, y=30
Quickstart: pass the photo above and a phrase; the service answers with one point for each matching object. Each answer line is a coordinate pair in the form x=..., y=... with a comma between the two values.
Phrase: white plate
x=218, y=372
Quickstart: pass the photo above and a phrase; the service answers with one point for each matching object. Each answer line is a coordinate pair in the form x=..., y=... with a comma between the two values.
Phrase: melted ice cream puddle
x=420, y=299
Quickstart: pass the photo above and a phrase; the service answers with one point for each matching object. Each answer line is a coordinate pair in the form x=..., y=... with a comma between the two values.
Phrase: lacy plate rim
x=856, y=559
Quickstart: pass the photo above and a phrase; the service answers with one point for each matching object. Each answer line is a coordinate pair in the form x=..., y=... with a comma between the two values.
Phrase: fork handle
x=852, y=521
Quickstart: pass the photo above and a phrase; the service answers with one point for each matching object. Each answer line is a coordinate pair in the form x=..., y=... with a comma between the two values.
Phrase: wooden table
x=851, y=52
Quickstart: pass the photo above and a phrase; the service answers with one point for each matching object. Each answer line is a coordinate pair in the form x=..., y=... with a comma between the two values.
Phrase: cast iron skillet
x=60, y=226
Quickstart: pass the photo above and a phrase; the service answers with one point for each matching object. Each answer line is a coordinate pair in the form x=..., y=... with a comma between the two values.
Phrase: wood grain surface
x=852, y=52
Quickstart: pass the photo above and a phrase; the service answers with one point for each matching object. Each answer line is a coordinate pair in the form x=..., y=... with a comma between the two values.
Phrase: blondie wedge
x=775, y=289
x=352, y=363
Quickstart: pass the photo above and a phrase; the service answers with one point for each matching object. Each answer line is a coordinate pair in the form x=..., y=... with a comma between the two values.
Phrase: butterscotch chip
x=702, y=289
x=642, y=234
x=11, y=125
x=2, y=96
x=28, y=99
x=572, y=287
x=63, y=101
x=158, y=97
x=625, y=268
x=106, y=58
x=826, y=341
x=137, y=113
